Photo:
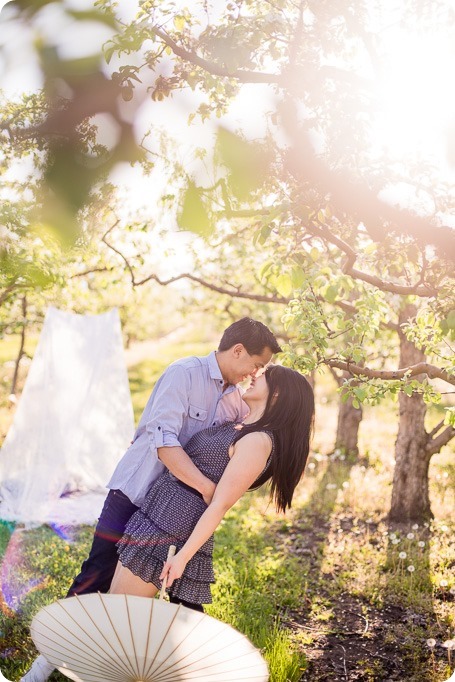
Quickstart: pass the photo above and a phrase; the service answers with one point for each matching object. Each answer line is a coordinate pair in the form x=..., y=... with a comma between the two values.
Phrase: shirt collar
x=215, y=373
x=214, y=368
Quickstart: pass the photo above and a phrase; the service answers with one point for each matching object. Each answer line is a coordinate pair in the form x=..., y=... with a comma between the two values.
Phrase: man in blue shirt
x=191, y=395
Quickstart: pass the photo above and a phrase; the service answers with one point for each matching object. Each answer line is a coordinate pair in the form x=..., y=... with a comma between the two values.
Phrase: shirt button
x=214, y=423
x=159, y=428
x=197, y=414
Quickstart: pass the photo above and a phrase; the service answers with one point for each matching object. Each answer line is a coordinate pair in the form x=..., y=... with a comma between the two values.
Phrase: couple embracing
x=200, y=445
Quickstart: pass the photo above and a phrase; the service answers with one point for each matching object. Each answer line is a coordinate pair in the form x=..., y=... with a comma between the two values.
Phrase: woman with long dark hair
x=272, y=443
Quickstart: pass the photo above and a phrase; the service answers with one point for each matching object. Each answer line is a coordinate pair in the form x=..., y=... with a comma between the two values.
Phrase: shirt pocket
x=197, y=413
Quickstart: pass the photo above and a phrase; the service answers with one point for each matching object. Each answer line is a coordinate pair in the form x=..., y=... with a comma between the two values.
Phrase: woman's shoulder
x=259, y=439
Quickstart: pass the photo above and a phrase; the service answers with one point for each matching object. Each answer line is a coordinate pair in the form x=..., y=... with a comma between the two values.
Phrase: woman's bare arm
x=248, y=461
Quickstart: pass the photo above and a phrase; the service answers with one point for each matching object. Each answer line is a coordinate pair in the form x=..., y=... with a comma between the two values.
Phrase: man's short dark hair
x=253, y=335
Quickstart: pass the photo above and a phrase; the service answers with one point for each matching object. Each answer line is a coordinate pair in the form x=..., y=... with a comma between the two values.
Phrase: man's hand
x=177, y=461
x=208, y=492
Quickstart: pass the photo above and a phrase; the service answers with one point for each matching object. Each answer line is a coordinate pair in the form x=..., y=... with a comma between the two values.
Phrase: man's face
x=243, y=365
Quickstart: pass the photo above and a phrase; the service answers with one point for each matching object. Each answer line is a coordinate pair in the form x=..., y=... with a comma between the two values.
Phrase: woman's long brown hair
x=289, y=416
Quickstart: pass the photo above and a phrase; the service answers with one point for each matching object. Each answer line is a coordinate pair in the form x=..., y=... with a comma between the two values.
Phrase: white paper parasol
x=100, y=637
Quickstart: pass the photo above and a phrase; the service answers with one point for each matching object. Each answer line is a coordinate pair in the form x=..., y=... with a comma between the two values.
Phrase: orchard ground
x=329, y=592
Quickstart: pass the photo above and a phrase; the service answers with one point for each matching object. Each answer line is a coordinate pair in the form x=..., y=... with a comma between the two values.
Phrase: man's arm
x=177, y=461
x=248, y=461
x=166, y=414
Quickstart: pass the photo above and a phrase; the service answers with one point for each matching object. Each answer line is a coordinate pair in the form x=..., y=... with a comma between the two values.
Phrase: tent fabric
x=73, y=422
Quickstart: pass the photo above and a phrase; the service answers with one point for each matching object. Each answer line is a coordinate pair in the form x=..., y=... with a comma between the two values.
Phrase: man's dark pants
x=98, y=569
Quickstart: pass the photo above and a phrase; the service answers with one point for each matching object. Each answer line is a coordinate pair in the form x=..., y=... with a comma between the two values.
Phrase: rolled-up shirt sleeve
x=168, y=408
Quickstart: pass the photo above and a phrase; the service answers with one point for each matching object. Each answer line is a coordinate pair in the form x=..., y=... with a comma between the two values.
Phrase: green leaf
x=179, y=22
x=360, y=393
x=298, y=278
x=265, y=267
x=109, y=52
x=246, y=162
x=331, y=293
x=357, y=354
x=93, y=15
x=32, y=7
x=264, y=233
x=194, y=215
x=450, y=320
x=283, y=285
x=449, y=419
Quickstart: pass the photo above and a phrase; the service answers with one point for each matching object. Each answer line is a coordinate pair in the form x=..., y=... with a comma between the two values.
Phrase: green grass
x=323, y=577
x=37, y=568
x=255, y=586
x=9, y=346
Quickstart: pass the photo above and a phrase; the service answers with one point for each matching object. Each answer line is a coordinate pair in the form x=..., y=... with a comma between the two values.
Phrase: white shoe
x=39, y=672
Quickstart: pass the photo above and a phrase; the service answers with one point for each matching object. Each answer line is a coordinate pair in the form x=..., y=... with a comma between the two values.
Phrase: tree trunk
x=410, y=496
x=349, y=418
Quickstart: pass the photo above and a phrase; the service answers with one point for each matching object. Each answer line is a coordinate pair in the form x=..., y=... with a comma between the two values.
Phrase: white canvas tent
x=73, y=422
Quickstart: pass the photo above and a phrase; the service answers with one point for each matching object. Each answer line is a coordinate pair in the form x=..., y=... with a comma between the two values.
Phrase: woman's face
x=258, y=390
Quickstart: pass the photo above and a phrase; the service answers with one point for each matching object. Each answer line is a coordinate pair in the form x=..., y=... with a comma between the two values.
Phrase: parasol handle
x=170, y=554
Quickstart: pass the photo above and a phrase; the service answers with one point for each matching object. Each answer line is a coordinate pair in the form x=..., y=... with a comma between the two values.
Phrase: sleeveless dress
x=169, y=514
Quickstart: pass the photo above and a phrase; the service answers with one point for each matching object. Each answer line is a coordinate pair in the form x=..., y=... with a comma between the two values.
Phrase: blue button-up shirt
x=187, y=398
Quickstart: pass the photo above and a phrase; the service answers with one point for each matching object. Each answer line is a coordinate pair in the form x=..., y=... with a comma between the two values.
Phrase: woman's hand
x=173, y=568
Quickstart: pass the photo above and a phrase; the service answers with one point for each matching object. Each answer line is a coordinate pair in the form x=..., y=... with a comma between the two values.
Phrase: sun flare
x=415, y=94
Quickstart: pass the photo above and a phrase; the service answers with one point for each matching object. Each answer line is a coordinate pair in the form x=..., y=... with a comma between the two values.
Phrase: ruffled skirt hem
x=144, y=553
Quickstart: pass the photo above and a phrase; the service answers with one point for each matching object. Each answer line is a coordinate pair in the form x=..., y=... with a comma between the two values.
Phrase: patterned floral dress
x=169, y=514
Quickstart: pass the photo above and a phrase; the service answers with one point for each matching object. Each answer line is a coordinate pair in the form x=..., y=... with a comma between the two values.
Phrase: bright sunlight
x=415, y=95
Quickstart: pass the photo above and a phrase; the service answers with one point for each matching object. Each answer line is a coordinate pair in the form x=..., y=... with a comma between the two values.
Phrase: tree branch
x=416, y=290
x=348, y=268
x=5, y=294
x=436, y=429
x=250, y=213
x=338, y=379
x=119, y=253
x=233, y=293
x=413, y=370
x=215, y=69
x=281, y=300
x=21, y=346
x=297, y=38
x=356, y=199
x=435, y=444
x=89, y=272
